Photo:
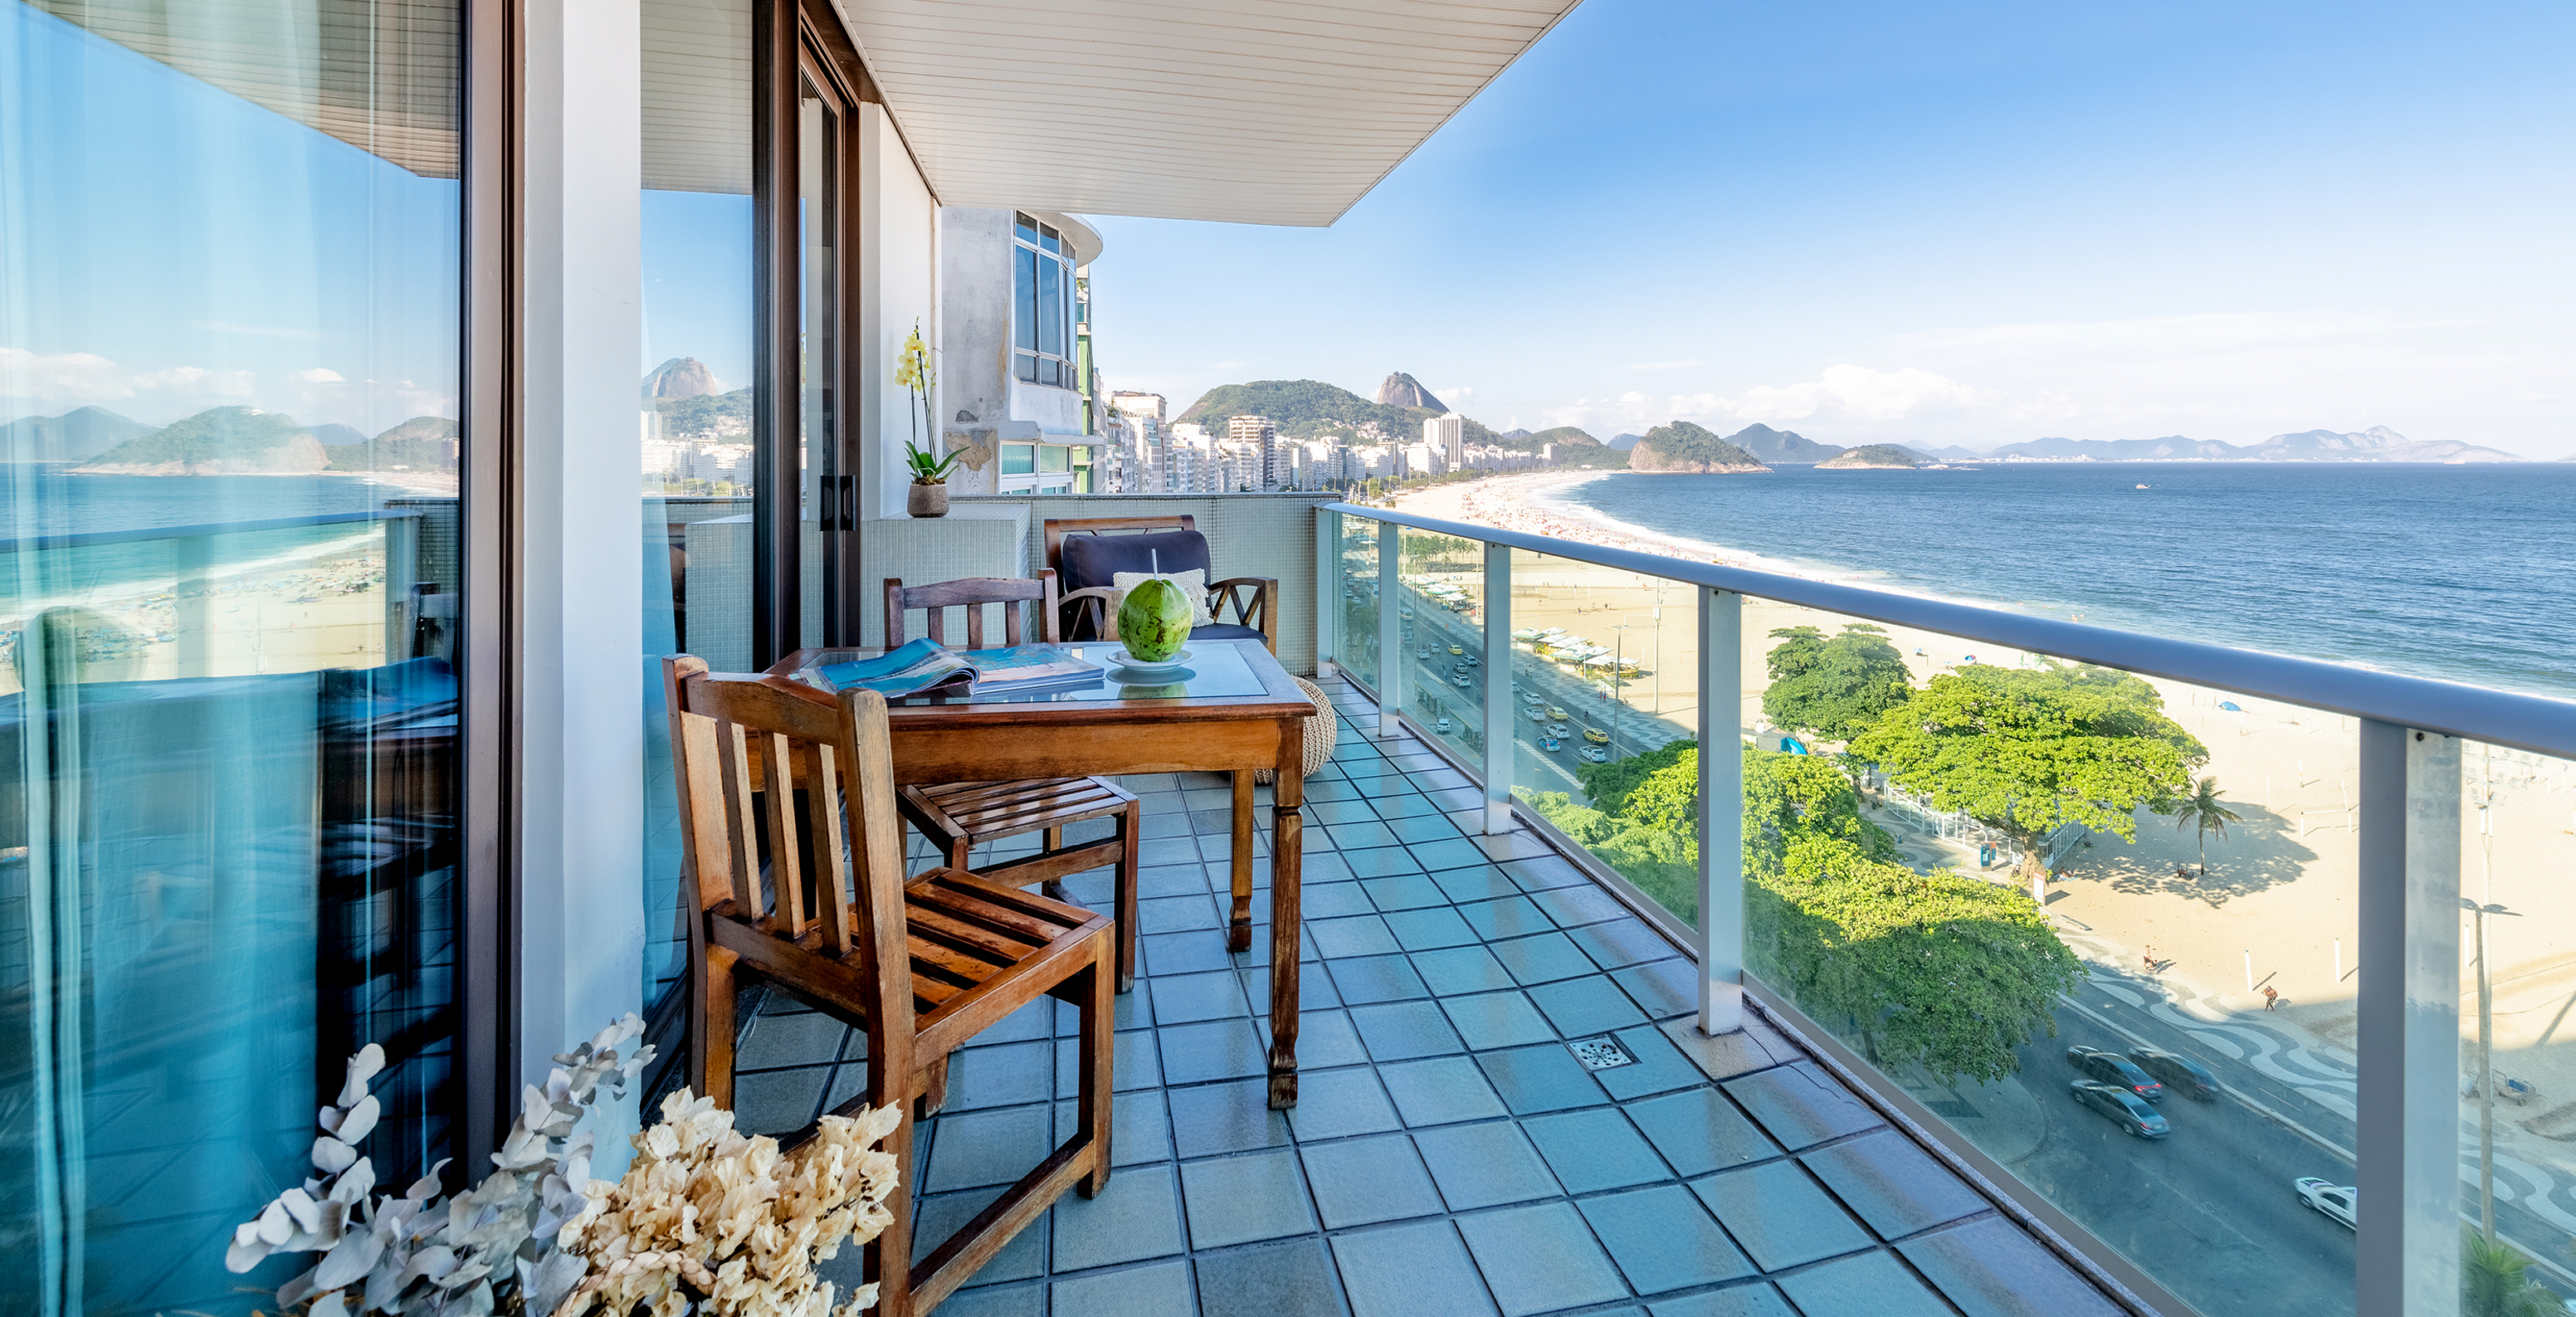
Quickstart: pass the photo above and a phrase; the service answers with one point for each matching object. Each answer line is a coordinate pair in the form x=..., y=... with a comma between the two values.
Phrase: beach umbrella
x=2230, y=706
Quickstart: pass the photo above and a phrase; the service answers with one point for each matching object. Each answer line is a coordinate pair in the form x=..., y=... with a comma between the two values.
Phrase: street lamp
x=2483, y=797
x=1618, y=657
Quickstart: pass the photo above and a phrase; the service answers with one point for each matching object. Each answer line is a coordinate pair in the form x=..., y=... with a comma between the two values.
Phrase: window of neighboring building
x=1041, y=304
x=1019, y=459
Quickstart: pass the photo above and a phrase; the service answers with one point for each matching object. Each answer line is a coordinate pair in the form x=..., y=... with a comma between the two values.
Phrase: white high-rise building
x=1447, y=436
x=1261, y=438
x=1146, y=405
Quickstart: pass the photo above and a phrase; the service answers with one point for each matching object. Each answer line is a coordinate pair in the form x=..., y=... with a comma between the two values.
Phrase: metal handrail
x=2477, y=713
x=77, y=539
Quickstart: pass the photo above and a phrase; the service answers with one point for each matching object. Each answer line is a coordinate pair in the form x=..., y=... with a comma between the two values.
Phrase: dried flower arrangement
x=705, y=1219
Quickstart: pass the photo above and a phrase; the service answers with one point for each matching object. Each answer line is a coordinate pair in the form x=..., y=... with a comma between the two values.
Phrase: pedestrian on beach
x=2271, y=997
x=2150, y=959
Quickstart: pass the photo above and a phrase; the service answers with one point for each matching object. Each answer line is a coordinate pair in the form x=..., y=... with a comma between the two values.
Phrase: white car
x=2335, y=1200
x=1441, y=727
x=1593, y=754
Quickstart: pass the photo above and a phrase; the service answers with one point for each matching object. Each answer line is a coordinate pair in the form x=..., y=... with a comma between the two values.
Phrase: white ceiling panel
x=1249, y=111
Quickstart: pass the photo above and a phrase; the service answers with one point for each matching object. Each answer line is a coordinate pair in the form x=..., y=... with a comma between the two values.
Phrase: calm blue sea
x=2464, y=572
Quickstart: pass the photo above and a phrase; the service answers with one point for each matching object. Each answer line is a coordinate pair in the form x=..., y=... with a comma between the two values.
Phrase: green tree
x=2029, y=751
x=1609, y=783
x=2495, y=1281
x=1836, y=688
x=2201, y=809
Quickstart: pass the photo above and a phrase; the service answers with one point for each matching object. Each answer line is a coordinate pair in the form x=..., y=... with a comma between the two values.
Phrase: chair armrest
x=1094, y=604
x=1252, y=598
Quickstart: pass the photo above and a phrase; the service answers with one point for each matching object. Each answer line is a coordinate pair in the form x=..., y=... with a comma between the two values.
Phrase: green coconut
x=1154, y=621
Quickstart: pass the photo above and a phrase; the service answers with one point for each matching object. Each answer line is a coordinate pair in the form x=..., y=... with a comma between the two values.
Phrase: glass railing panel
x=1995, y=879
x=1355, y=578
x=2517, y=1031
x=1440, y=590
x=1605, y=699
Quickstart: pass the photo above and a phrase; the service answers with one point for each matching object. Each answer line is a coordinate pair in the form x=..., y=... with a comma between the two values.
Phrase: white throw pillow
x=1193, y=584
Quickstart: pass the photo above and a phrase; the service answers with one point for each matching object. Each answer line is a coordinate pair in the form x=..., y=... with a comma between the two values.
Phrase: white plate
x=1134, y=664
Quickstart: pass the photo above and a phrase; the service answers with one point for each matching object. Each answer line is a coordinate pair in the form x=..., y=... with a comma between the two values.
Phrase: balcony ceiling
x=1246, y=111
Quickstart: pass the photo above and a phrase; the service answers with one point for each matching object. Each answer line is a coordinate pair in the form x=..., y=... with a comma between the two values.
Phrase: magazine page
x=915, y=668
x=1022, y=666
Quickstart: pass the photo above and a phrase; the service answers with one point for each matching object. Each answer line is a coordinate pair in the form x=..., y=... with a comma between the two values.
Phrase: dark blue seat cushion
x=1227, y=631
x=1095, y=560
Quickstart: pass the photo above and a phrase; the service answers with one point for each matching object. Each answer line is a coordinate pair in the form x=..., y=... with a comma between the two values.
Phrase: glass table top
x=1212, y=670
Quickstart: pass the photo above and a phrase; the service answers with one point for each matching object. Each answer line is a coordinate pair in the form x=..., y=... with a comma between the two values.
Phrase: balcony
x=1450, y=1153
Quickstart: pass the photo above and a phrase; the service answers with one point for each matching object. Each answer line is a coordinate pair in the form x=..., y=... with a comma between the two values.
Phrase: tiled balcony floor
x=1448, y=1155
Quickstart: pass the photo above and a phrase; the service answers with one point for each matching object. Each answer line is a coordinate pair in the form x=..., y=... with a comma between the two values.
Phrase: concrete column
x=1721, y=814
x=579, y=641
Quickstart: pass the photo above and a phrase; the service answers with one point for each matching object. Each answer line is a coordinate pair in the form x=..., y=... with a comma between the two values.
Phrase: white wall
x=580, y=642
x=898, y=276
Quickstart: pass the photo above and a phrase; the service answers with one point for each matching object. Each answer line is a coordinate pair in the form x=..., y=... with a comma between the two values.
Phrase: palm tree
x=2493, y=1282
x=2202, y=809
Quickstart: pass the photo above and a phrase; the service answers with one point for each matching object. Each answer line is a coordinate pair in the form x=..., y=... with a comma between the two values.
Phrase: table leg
x=1238, y=929
x=1287, y=872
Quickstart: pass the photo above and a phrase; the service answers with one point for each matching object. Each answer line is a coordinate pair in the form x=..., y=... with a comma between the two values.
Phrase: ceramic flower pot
x=1154, y=620
x=928, y=498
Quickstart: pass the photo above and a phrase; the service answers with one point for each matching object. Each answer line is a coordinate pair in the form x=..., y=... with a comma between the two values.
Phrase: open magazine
x=926, y=667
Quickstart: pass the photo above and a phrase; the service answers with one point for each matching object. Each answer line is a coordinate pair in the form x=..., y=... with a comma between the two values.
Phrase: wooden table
x=1232, y=710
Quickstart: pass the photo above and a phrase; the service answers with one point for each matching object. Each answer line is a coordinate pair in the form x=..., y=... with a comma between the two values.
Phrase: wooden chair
x=1122, y=544
x=920, y=966
x=959, y=816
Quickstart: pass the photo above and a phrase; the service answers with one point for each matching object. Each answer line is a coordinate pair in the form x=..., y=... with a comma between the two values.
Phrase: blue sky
x=1897, y=223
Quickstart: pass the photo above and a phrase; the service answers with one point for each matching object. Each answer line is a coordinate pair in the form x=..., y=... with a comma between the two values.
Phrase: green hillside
x=1682, y=446
x=220, y=434
x=1868, y=455
x=1308, y=409
x=706, y=414
x=423, y=443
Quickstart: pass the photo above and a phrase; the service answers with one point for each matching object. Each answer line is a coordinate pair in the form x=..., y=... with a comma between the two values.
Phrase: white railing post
x=1721, y=813
x=1498, y=690
x=1390, y=631
x=1328, y=591
x=2408, y=1134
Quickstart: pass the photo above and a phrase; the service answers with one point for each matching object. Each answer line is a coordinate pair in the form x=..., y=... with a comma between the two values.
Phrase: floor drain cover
x=1602, y=1053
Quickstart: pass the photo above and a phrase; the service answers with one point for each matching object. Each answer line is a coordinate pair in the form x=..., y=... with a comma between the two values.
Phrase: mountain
x=333, y=434
x=74, y=436
x=1869, y=456
x=1574, y=435
x=1683, y=448
x=423, y=443
x=2376, y=444
x=1402, y=390
x=1308, y=409
x=220, y=441
x=2171, y=448
x=708, y=415
x=680, y=377
x=1517, y=434
x=1782, y=446
x=1623, y=442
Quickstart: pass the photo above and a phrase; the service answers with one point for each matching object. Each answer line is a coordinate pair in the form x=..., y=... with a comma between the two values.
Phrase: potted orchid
x=929, y=494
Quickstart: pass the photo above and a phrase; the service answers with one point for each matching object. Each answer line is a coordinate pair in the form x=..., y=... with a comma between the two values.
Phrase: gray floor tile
x=976, y=1148
x=1590, y=1005
x=1510, y=916
x=1220, y=1118
x=1595, y=1150
x=1005, y=1076
x=1380, y=862
x=1024, y=1300
x=939, y=1216
x=1991, y=1269
x=1334, y=1104
x=1780, y=1217
x=1187, y=998
x=1800, y=1105
x=1360, y=935
x=1137, y=1217
x=1873, y=1283
x=1326, y=1039
x=1540, y=1259
x=1419, y=1270
x=1175, y=914
x=1194, y=952
x=1411, y=892
x=1754, y=1300
x=1422, y=828
x=1033, y=1021
x=1481, y=883
x=1440, y=1091
x=778, y=1101
x=1699, y=1131
x=1542, y=959
x=1569, y=906
x=1361, y=1182
x=1497, y=1019
x=802, y=1039
x=1140, y=1127
x=1361, y=834
x=1660, y=1066
x=1290, y=1278
x=1431, y=929
x=1160, y=1290
x=1134, y=1063
x=1219, y=1049
x=1332, y=900
x=1404, y=1030
x=1314, y=985
x=1240, y=1200
x=1409, y=804
x=1458, y=853
x=1620, y=943
x=1461, y=970
x=1376, y=979
x=1541, y=1078
x=1895, y=1186
x=1484, y=1165
x=1662, y=989
x=1663, y=1239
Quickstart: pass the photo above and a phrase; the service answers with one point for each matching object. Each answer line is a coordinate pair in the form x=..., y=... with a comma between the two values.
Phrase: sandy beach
x=2280, y=893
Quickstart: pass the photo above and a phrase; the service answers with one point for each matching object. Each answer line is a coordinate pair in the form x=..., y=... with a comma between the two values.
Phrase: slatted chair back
x=748, y=748
x=1015, y=594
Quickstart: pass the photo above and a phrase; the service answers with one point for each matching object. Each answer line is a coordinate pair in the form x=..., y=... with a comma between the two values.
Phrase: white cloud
x=321, y=375
x=1843, y=395
x=1455, y=395
x=32, y=383
x=1683, y=364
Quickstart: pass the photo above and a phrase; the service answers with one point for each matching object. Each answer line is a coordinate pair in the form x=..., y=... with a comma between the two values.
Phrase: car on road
x=2122, y=1106
x=1593, y=754
x=1550, y=744
x=1538, y=715
x=1559, y=729
x=2335, y=1200
x=2113, y=1068
x=1531, y=698
x=1472, y=660
x=1555, y=714
x=1459, y=682
x=1422, y=653
x=1596, y=736
x=2176, y=1071
x=1441, y=727
x=1457, y=649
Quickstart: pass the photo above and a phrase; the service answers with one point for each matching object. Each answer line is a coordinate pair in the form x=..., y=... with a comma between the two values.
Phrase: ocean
x=2459, y=572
